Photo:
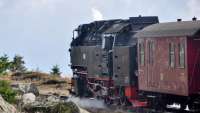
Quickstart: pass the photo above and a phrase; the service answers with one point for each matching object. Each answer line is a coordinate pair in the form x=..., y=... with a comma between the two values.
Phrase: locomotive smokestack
x=179, y=20
x=194, y=19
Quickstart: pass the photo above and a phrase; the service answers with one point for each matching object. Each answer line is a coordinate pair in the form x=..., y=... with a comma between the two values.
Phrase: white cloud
x=97, y=15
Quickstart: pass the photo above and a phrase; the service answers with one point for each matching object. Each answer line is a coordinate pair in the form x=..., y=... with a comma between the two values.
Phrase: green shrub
x=69, y=107
x=7, y=92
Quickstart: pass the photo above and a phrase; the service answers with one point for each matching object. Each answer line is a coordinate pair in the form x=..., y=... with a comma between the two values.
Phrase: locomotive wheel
x=183, y=107
x=126, y=102
x=108, y=101
x=194, y=106
x=158, y=104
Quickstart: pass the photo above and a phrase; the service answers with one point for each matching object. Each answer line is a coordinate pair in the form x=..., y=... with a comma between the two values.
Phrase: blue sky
x=41, y=30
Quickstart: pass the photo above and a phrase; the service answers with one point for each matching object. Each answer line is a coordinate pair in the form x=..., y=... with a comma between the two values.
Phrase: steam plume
x=87, y=103
x=97, y=15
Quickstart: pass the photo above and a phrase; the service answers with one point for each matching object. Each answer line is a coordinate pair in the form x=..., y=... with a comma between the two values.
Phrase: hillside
x=47, y=84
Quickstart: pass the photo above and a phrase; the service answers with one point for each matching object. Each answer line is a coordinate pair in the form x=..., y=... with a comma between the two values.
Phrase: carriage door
x=150, y=63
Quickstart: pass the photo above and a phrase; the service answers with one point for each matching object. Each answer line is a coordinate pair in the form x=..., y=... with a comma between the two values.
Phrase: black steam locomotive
x=106, y=57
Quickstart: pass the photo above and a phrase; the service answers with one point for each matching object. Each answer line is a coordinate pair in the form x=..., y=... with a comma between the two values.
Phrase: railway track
x=149, y=110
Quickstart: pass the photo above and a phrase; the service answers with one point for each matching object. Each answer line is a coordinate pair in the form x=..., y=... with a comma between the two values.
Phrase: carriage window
x=141, y=53
x=151, y=47
x=171, y=55
x=181, y=47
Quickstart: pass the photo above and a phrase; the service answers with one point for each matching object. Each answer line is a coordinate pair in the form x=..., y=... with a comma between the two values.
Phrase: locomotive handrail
x=84, y=73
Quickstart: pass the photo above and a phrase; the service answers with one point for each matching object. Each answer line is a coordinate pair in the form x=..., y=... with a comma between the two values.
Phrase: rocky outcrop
x=29, y=103
x=5, y=107
x=28, y=98
x=54, y=107
x=26, y=88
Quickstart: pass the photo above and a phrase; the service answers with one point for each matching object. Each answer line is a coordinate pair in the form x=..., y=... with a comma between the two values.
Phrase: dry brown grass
x=38, y=78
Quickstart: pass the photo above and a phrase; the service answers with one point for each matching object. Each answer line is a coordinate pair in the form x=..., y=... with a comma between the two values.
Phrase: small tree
x=55, y=70
x=7, y=92
x=4, y=64
x=17, y=65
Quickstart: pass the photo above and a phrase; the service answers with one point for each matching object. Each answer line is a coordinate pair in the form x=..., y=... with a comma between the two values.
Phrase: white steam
x=96, y=14
x=87, y=103
x=194, y=7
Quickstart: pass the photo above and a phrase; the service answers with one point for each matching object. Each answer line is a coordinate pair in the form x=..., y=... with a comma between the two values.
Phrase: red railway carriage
x=169, y=58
